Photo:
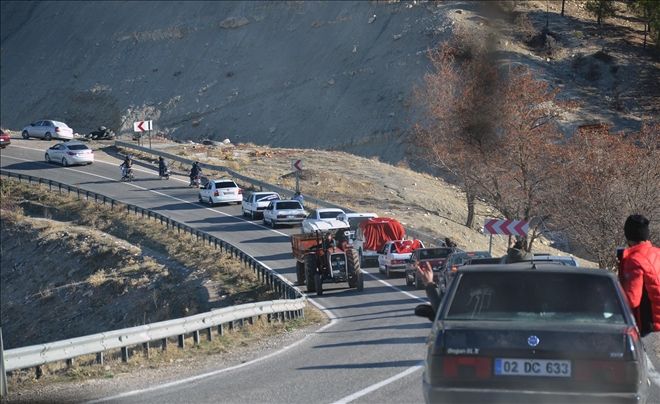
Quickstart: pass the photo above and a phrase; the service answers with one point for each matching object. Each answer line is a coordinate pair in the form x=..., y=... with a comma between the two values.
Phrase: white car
x=392, y=258
x=254, y=203
x=321, y=214
x=69, y=153
x=283, y=212
x=223, y=190
x=48, y=130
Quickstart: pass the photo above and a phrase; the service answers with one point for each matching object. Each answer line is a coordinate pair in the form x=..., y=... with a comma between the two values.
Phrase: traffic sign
x=297, y=165
x=506, y=226
x=142, y=126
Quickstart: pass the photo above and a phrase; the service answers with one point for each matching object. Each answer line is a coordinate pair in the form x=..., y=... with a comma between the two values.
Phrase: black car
x=533, y=333
x=454, y=261
x=436, y=256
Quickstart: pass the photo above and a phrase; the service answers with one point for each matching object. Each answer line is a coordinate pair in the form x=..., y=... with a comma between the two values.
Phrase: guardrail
x=37, y=355
x=426, y=238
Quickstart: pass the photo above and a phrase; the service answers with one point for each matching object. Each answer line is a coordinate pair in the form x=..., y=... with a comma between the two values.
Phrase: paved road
x=371, y=351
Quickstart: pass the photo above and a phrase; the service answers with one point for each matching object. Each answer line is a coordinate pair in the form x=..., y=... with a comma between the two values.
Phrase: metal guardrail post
x=4, y=390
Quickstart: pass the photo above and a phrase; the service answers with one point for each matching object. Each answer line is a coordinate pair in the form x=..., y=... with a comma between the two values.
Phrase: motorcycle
x=127, y=174
x=196, y=181
x=165, y=173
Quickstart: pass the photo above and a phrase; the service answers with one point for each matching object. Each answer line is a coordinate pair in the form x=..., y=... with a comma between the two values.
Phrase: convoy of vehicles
x=533, y=333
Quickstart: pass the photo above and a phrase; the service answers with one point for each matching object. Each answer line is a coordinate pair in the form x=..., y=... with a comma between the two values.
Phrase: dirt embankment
x=70, y=269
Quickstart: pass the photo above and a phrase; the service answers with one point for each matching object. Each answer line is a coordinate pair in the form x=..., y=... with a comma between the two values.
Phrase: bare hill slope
x=292, y=74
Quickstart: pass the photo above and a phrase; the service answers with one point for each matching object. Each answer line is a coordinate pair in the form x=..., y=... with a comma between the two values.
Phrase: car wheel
x=48, y=136
x=200, y=199
x=210, y=201
x=265, y=222
x=64, y=162
x=252, y=216
x=48, y=158
x=25, y=134
x=408, y=281
x=387, y=272
x=273, y=224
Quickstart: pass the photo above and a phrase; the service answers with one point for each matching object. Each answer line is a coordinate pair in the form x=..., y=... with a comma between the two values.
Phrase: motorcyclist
x=195, y=172
x=126, y=165
x=162, y=166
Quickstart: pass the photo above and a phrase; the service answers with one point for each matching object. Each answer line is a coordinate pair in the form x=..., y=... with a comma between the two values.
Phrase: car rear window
x=328, y=215
x=78, y=147
x=289, y=205
x=432, y=253
x=542, y=297
x=225, y=184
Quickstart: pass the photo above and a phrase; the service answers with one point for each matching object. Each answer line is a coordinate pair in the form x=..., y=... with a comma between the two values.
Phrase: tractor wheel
x=353, y=266
x=318, y=282
x=310, y=271
x=360, y=282
x=300, y=273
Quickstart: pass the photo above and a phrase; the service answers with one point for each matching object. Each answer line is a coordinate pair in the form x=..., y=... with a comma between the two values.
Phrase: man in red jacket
x=639, y=274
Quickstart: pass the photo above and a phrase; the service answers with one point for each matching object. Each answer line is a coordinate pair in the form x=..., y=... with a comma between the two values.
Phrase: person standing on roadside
x=639, y=274
x=298, y=197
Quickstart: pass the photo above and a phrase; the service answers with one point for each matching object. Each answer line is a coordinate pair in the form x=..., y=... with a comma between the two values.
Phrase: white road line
x=378, y=385
x=333, y=318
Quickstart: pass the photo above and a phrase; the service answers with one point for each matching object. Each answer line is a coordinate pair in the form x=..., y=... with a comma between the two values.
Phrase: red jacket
x=639, y=272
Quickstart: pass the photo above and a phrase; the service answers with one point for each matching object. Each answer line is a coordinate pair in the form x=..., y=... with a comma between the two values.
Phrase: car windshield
x=225, y=184
x=78, y=147
x=540, y=297
x=289, y=205
x=329, y=215
x=432, y=253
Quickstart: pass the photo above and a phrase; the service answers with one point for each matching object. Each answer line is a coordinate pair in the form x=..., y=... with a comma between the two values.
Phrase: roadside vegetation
x=117, y=270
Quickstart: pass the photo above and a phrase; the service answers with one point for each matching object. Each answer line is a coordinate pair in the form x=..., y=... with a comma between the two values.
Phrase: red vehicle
x=372, y=235
x=5, y=139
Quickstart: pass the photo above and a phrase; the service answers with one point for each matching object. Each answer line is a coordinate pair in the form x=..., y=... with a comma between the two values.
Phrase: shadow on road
x=382, y=341
x=371, y=365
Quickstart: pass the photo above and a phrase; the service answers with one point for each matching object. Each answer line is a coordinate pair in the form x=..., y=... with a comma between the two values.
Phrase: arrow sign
x=142, y=126
x=506, y=226
x=297, y=165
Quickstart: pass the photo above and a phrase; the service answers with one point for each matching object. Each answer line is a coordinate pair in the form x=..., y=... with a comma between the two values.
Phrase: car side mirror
x=426, y=311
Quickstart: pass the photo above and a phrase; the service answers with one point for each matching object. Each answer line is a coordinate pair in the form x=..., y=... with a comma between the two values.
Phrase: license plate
x=227, y=192
x=532, y=367
x=290, y=217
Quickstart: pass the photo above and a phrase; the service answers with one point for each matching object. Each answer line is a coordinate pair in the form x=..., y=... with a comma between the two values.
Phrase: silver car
x=48, y=130
x=69, y=153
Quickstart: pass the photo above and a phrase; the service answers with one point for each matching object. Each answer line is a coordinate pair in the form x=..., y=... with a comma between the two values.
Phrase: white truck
x=395, y=254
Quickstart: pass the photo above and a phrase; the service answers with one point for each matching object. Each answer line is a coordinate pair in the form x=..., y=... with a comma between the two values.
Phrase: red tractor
x=326, y=257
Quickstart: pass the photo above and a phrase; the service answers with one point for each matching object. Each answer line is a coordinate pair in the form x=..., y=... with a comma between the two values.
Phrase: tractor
x=324, y=257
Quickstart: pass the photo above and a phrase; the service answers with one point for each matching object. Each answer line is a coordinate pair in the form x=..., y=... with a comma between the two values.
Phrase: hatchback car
x=284, y=212
x=254, y=203
x=223, y=190
x=70, y=153
x=534, y=333
x=5, y=139
x=48, y=130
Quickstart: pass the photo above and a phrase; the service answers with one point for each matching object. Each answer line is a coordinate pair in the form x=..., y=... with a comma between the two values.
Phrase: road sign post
x=297, y=165
x=505, y=226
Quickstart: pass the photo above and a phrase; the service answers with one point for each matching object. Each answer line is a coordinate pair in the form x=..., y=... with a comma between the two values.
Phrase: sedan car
x=284, y=212
x=533, y=333
x=254, y=203
x=223, y=190
x=69, y=153
x=5, y=139
x=319, y=215
x=435, y=256
x=48, y=130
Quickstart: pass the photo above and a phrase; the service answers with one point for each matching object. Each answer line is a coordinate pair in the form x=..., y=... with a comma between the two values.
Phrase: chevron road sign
x=142, y=126
x=506, y=226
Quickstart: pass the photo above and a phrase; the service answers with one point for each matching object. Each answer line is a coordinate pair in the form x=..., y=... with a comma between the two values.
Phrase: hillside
x=330, y=75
